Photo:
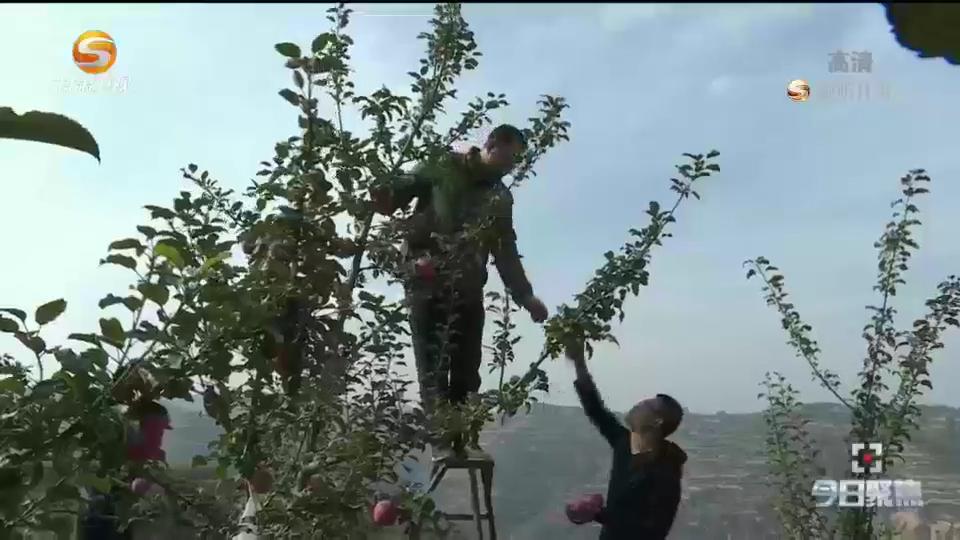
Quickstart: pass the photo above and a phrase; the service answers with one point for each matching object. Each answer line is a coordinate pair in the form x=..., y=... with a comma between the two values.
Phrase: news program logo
x=864, y=491
x=94, y=52
x=798, y=90
x=867, y=458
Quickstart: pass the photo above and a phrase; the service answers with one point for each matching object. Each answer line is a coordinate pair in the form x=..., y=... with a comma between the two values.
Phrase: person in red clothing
x=645, y=480
x=145, y=443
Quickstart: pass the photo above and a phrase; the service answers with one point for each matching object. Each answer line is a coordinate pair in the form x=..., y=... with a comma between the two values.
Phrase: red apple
x=140, y=486
x=425, y=269
x=385, y=513
x=584, y=509
x=262, y=481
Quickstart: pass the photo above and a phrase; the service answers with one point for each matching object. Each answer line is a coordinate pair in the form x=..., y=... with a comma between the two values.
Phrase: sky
x=806, y=184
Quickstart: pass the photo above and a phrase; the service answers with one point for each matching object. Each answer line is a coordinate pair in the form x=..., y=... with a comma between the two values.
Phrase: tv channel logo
x=867, y=458
x=94, y=52
x=859, y=493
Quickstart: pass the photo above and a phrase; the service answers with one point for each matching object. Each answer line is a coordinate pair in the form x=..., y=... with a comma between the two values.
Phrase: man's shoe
x=449, y=449
x=441, y=450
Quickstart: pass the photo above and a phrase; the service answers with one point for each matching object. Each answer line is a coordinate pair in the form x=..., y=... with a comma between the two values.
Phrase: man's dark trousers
x=447, y=335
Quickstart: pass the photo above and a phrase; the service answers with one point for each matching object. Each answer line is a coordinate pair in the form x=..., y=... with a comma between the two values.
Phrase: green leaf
x=18, y=313
x=73, y=363
x=290, y=96
x=213, y=261
x=8, y=325
x=12, y=385
x=147, y=232
x=32, y=342
x=97, y=357
x=47, y=128
x=47, y=388
x=86, y=338
x=109, y=300
x=112, y=330
x=126, y=243
x=320, y=42
x=154, y=292
x=364, y=296
x=290, y=50
x=170, y=253
x=49, y=312
x=131, y=302
x=121, y=260
x=158, y=212
x=98, y=483
x=178, y=388
x=175, y=361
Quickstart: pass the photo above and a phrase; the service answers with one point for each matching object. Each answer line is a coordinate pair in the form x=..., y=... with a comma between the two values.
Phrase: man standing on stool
x=461, y=199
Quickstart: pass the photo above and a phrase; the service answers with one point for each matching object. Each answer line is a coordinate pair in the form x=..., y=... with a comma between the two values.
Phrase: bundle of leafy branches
x=883, y=407
x=259, y=304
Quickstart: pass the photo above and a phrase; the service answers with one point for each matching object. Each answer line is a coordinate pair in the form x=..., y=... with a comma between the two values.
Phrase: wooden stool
x=472, y=463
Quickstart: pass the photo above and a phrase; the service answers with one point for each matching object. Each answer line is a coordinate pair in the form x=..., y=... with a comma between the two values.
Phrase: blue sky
x=806, y=184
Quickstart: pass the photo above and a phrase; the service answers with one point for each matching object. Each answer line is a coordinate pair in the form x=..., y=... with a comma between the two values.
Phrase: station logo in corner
x=94, y=52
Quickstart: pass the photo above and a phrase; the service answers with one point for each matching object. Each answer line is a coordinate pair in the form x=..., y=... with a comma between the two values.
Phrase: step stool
x=472, y=462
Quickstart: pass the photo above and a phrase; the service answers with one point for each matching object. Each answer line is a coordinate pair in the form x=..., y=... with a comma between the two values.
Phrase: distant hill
x=552, y=455
x=192, y=432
